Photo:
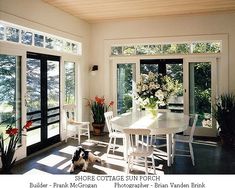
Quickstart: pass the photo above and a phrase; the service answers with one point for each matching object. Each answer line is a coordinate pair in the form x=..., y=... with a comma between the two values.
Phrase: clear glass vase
x=153, y=111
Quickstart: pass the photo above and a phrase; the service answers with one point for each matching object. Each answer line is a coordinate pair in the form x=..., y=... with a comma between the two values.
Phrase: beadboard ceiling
x=102, y=10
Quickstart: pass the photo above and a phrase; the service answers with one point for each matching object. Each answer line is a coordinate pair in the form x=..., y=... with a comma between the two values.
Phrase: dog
x=82, y=157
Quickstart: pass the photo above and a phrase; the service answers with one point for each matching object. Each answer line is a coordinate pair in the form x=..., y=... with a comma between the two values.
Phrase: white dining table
x=165, y=123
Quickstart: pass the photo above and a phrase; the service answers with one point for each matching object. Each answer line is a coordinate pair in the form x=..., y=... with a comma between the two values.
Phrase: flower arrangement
x=98, y=108
x=154, y=90
x=7, y=149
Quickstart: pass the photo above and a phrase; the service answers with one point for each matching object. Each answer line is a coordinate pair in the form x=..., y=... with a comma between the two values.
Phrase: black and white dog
x=82, y=157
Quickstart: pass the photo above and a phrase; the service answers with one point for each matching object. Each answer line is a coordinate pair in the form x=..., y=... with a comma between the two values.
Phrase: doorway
x=43, y=100
x=200, y=91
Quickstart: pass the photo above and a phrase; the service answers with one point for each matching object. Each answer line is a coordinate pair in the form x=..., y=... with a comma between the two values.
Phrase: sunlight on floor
x=63, y=166
x=51, y=160
x=68, y=150
x=108, y=170
x=88, y=143
x=113, y=159
x=36, y=172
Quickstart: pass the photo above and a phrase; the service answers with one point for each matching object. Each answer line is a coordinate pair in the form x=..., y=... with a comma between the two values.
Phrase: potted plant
x=224, y=113
x=98, y=108
x=8, y=144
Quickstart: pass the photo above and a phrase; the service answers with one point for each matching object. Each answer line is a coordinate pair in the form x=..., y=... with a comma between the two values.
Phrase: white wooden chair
x=113, y=134
x=75, y=128
x=185, y=139
x=140, y=148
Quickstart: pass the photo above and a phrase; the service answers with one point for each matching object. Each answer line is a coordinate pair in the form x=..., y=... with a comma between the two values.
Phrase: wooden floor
x=210, y=158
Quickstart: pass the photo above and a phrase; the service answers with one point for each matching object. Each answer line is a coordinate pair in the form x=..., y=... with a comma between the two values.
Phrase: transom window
x=26, y=36
x=172, y=48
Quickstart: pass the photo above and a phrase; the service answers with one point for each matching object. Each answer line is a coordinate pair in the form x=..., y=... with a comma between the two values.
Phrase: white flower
x=145, y=87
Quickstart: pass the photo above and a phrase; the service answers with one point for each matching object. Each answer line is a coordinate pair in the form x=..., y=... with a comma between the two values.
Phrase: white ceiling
x=101, y=10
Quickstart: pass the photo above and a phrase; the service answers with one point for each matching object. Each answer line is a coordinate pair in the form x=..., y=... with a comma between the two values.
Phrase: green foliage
x=126, y=103
x=203, y=100
x=224, y=113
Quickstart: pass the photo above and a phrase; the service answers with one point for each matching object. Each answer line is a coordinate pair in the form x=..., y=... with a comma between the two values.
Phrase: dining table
x=164, y=123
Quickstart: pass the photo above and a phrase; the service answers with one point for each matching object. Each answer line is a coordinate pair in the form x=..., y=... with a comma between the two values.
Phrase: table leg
x=169, y=148
x=125, y=146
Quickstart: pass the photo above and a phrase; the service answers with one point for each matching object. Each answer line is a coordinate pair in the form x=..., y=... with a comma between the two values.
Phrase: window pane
x=69, y=83
x=199, y=47
x=155, y=49
x=12, y=34
x=116, y=50
x=129, y=50
x=125, y=79
x=67, y=47
x=49, y=42
x=146, y=68
x=2, y=32
x=10, y=91
x=213, y=47
x=141, y=49
x=33, y=136
x=200, y=92
x=38, y=40
x=53, y=130
x=26, y=37
x=169, y=48
x=33, y=85
x=74, y=48
x=182, y=48
x=58, y=44
x=53, y=84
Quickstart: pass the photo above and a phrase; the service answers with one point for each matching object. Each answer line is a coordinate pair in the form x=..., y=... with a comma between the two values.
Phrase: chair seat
x=75, y=128
x=117, y=135
x=141, y=152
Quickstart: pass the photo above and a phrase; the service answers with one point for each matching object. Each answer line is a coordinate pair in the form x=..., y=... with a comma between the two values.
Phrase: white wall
x=161, y=27
x=43, y=17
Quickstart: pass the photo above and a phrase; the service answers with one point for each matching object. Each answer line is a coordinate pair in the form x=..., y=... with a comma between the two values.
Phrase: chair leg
x=128, y=165
x=153, y=164
x=191, y=153
x=114, y=144
x=88, y=131
x=110, y=141
x=146, y=165
x=173, y=150
x=79, y=135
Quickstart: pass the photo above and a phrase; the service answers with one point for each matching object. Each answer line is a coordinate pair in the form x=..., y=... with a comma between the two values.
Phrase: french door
x=200, y=85
x=124, y=85
x=43, y=100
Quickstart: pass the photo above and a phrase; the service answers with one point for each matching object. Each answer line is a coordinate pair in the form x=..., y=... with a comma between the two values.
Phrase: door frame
x=201, y=131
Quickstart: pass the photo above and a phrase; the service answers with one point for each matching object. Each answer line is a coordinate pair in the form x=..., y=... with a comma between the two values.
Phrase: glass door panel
x=53, y=95
x=69, y=82
x=125, y=85
x=200, y=92
x=43, y=101
x=200, y=95
x=10, y=92
x=172, y=68
x=34, y=99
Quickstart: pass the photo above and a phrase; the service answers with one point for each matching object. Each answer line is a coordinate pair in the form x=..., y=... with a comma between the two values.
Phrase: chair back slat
x=108, y=116
x=70, y=111
x=138, y=138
